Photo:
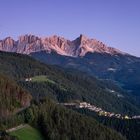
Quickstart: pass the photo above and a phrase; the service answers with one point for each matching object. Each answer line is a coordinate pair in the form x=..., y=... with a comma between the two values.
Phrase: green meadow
x=42, y=78
x=27, y=133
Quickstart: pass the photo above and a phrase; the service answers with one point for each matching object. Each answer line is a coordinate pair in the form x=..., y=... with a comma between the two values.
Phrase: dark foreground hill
x=56, y=122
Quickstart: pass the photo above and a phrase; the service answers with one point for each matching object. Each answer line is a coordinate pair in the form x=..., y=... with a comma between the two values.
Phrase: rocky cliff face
x=79, y=47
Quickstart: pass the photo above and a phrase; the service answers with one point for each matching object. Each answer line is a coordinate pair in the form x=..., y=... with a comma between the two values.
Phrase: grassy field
x=42, y=78
x=27, y=133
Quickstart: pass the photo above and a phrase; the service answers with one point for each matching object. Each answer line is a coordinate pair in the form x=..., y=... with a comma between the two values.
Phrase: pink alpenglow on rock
x=79, y=47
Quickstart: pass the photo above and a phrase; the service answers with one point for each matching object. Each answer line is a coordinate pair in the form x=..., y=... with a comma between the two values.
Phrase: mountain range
x=37, y=74
x=85, y=54
x=28, y=44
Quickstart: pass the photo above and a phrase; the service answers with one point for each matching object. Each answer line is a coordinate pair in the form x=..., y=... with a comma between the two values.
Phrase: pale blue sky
x=114, y=22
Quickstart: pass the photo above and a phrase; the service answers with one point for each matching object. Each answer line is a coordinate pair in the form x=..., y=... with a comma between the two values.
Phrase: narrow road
x=16, y=128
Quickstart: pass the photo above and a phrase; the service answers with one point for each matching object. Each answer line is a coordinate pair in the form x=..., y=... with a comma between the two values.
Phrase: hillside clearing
x=27, y=133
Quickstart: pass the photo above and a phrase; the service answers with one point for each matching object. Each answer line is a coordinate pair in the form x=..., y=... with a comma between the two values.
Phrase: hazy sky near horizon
x=114, y=22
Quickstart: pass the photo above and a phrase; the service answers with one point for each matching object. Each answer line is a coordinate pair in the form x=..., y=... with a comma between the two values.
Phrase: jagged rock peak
x=8, y=41
x=83, y=37
x=28, y=38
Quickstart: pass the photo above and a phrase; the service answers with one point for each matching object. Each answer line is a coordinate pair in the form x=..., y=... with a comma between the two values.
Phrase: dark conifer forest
x=30, y=93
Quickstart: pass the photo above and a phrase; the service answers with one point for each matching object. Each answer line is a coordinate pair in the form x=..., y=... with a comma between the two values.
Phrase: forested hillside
x=65, y=85
x=57, y=122
x=25, y=76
